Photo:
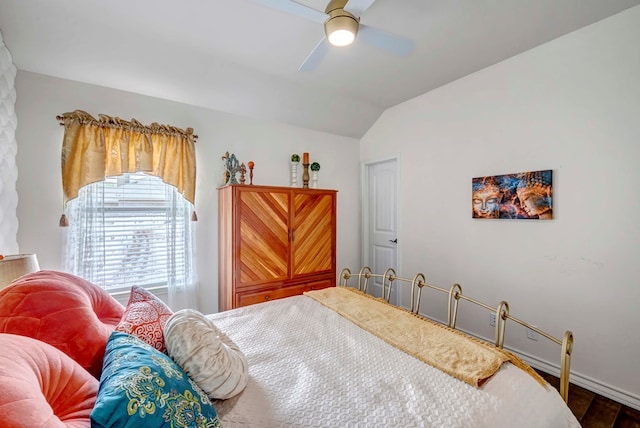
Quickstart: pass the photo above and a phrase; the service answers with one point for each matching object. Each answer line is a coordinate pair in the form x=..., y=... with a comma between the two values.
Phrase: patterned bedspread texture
x=311, y=367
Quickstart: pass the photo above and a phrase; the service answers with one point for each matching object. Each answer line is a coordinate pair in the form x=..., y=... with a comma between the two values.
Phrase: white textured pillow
x=207, y=355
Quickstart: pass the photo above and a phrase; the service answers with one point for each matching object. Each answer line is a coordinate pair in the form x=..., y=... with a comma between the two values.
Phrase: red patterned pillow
x=145, y=317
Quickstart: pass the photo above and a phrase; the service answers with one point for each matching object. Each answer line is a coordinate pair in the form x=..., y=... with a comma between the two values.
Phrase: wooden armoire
x=274, y=242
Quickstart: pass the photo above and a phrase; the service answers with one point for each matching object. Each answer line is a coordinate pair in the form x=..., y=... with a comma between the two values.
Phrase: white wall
x=40, y=98
x=573, y=106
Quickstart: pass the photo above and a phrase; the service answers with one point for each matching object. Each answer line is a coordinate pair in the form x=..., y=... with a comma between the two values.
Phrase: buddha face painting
x=534, y=192
x=522, y=195
x=536, y=201
x=486, y=201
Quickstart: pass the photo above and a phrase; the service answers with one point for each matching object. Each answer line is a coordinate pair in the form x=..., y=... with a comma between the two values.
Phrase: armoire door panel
x=263, y=243
x=313, y=233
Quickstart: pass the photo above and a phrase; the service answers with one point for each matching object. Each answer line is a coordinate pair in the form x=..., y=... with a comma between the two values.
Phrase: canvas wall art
x=524, y=195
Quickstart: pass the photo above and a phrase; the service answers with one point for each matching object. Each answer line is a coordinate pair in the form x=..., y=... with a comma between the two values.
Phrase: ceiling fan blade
x=358, y=7
x=381, y=39
x=316, y=55
x=295, y=8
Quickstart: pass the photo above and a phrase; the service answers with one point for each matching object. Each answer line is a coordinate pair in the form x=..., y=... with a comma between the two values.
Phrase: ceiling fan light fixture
x=341, y=28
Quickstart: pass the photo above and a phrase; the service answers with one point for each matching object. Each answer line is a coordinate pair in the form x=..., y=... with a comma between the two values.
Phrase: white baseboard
x=585, y=382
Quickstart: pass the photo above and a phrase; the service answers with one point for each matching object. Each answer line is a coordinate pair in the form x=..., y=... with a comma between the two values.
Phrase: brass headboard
x=418, y=282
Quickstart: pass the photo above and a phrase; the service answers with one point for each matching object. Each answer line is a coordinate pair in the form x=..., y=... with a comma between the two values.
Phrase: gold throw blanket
x=455, y=353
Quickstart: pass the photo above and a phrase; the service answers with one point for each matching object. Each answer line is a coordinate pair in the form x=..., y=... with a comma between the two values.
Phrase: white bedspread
x=309, y=367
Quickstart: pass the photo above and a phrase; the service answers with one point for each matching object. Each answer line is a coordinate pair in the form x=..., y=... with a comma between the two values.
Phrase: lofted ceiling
x=242, y=57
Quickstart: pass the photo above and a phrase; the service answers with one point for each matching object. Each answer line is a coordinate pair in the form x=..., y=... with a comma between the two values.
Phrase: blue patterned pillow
x=142, y=387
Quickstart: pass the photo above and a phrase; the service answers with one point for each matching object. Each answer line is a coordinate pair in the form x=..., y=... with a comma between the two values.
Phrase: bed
x=71, y=355
x=341, y=358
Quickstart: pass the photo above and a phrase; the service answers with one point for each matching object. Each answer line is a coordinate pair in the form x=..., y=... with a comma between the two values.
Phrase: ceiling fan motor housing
x=340, y=20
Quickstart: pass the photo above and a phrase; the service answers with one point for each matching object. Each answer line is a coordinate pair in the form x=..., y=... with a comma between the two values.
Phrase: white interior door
x=381, y=217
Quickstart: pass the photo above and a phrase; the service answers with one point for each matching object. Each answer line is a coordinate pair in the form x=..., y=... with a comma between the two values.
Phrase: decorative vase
x=294, y=173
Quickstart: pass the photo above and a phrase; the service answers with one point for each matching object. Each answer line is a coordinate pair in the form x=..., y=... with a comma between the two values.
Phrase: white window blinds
x=131, y=229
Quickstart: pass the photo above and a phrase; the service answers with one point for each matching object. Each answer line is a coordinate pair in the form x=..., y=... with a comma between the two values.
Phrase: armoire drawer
x=245, y=299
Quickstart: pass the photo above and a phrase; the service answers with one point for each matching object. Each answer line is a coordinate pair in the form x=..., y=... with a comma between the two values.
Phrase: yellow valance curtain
x=93, y=149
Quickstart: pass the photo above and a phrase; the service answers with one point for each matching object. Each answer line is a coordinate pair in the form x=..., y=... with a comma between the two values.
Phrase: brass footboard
x=418, y=283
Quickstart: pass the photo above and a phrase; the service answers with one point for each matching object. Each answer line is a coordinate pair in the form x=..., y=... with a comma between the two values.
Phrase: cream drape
x=93, y=149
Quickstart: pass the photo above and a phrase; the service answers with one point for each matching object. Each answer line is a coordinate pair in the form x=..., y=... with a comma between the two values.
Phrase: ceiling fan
x=341, y=20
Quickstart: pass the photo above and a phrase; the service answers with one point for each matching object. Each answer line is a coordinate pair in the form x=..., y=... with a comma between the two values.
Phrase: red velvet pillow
x=42, y=386
x=145, y=317
x=62, y=310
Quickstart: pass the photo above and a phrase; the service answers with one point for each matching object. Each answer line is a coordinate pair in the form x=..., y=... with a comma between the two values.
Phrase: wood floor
x=595, y=411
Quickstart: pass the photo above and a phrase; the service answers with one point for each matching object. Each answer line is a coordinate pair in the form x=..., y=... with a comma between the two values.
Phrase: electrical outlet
x=492, y=320
x=532, y=334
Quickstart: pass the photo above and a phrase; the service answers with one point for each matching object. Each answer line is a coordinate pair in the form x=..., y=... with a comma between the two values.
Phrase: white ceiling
x=242, y=57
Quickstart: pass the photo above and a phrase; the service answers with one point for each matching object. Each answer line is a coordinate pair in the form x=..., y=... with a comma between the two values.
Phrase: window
x=131, y=229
